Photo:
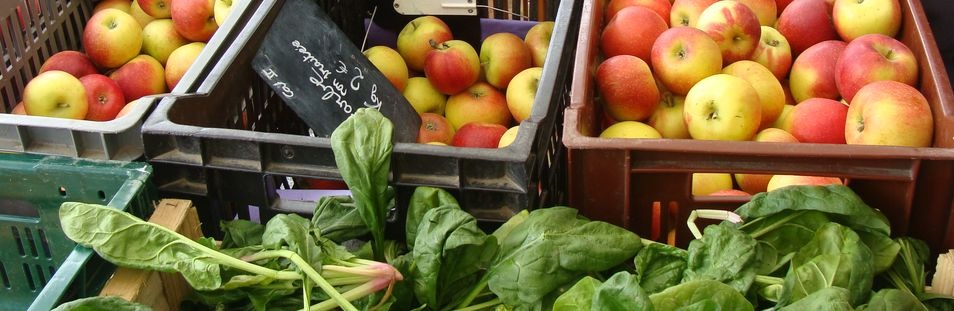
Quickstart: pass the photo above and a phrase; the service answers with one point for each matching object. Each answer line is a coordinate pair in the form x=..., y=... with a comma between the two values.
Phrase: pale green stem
x=347, y=280
x=305, y=267
x=709, y=214
x=481, y=306
x=475, y=291
x=352, y=271
x=351, y=295
x=768, y=280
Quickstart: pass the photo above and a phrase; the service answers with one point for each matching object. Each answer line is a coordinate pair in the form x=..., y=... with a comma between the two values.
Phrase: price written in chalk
x=278, y=84
x=327, y=80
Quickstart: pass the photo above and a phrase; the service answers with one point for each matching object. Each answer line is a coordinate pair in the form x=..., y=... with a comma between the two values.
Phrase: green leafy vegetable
x=579, y=297
x=891, y=299
x=834, y=257
x=781, y=234
x=338, y=219
x=110, y=303
x=241, y=233
x=422, y=200
x=883, y=249
x=827, y=299
x=700, y=295
x=840, y=202
x=659, y=266
x=621, y=292
x=294, y=232
x=724, y=254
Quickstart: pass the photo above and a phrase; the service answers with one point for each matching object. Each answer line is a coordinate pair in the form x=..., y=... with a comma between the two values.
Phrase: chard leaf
x=890, y=299
x=128, y=241
x=422, y=200
x=700, y=295
x=827, y=299
x=241, y=233
x=579, y=297
x=835, y=257
x=337, y=218
x=294, y=233
x=621, y=292
x=723, y=254
x=362, y=147
x=659, y=266
x=111, y=303
x=839, y=202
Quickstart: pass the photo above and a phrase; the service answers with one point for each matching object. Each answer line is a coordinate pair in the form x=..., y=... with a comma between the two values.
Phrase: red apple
x=682, y=56
x=774, y=52
x=765, y=10
x=479, y=135
x=435, y=128
x=874, y=57
x=141, y=17
x=452, y=66
x=813, y=72
x=111, y=38
x=480, y=103
x=661, y=7
x=55, y=94
x=780, y=5
x=819, y=120
x=686, y=12
x=18, y=109
x=734, y=27
x=194, y=19
x=889, y=113
x=72, y=62
x=627, y=87
x=805, y=23
x=139, y=77
x=414, y=40
x=502, y=56
x=632, y=32
x=104, y=97
x=156, y=8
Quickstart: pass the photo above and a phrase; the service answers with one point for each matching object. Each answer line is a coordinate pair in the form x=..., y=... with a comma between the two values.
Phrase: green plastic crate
x=39, y=266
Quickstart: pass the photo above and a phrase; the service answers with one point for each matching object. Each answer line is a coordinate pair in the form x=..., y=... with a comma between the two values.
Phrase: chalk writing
x=331, y=82
x=285, y=90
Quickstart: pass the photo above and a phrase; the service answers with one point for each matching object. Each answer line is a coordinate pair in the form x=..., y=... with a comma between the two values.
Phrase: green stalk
x=475, y=291
x=350, y=295
x=222, y=259
x=765, y=280
x=351, y=271
x=757, y=234
x=481, y=306
x=345, y=304
x=306, y=292
x=348, y=280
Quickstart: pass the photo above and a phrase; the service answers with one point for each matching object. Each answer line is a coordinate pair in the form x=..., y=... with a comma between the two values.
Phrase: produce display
x=466, y=97
x=131, y=49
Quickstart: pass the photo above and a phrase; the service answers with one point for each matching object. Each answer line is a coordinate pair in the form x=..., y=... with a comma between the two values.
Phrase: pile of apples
x=465, y=98
x=724, y=70
x=132, y=49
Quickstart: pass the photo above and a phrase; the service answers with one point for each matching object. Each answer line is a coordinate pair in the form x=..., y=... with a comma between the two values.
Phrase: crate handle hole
x=31, y=242
x=102, y=195
x=18, y=240
x=40, y=275
x=29, y=276
x=62, y=191
x=3, y=275
x=45, y=244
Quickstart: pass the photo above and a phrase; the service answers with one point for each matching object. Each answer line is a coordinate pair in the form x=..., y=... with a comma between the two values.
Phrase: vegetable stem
x=475, y=291
x=772, y=227
x=481, y=306
x=321, y=282
x=766, y=280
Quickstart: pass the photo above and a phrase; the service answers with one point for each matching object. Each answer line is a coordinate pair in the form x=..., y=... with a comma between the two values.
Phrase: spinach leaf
x=781, y=234
x=659, y=266
x=404, y=290
x=907, y=271
x=579, y=297
x=700, y=295
x=241, y=233
x=883, y=249
x=834, y=257
x=110, y=303
x=723, y=254
x=144, y=245
x=422, y=200
x=295, y=233
x=362, y=147
x=828, y=299
x=839, y=202
x=337, y=218
x=621, y=292
x=890, y=299
x=507, y=227
x=450, y=250
x=554, y=246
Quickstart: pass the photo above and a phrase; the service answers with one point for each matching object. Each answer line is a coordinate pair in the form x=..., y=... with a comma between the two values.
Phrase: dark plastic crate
x=51, y=26
x=237, y=145
x=39, y=266
x=644, y=184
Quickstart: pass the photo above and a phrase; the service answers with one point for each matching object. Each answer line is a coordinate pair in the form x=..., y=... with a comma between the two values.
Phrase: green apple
x=160, y=38
x=722, y=107
x=55, y=94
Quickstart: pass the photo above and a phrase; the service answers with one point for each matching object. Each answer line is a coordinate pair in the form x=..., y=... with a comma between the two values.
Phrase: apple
x=775, y=135
x=221, y=10
x=789, y=99
x=667, y=119
x=770, y=92
x=194, y=19
x=722, y=107
x=765, y=10
x=435, y=128
x=72, y=62
x=522, y=92
x=414, y=40
x=683, y=56
x=874, y=57
x=137, y=13
x=156, y=8
x=538, y=41
x=508, y=137
x=855, y=18
x=390, y=63
x=122, y=5
x=819, y=120
x=780, y=181
x=630, y=129
x=889, y=113
x=18, y=109
x=632, y=32
x=661, y=7
x=774, y=52
x=179, y=62
x=112, y=38
x=780, y=5
x=140, y=77
x=784, y=120
x=502, y=56
x=423, y=96
x=129, y=108
x=627, y=87
x=104, y=98
x=813, y=72
x=479, y=135
x=707, y=183
x=480, y=103
x=686, y=12
x=55, y=94
x=805, y=23
x=452, y=66
x=734, y=27
x=753, y=183
x=160, y=38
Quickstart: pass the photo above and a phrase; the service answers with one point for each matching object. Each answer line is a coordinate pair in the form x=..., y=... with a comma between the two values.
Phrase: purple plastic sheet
x=379, y=35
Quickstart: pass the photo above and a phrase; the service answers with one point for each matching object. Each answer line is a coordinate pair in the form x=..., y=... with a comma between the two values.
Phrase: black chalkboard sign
x=323, y=77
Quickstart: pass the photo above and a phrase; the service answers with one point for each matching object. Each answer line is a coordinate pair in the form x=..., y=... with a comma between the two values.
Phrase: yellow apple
x=722, y=107
x=55, y=94
x=707, y=183
x=414, y=40
x=159, y=39
x=855, y=18
x=390, y=63
x=889, y=113
x=508, y=137
x=139, y=15
x=538, y=40
x=779, y=181
x=221, y=10
x=424, y=97
x=522, y=91
x=770, y=92
x=630, y=129
x=179, y=62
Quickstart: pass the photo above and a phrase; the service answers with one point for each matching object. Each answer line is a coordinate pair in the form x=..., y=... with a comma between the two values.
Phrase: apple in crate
x=480, y=103
x=140, y=77
x=722, y=107
x=179, y=62
x=632, y=32
x=780, y=181
x=627, y=87
x=780, y=5
x=502, y=56
x=755, y=183
x=683, y=56
x=221, y=10
x=18, y=109
x=194, y=19
x=734, y=27
x=708, y=183
x=765, y=10
x=774, y=52
x=479, y=135
x=889, y=113
x=160, y=38
x=55, y=94
x=874, y=57
x=122, y=5
x=104, y=98
x=686, y=12
x=130, y=106
x=805, y=23
x=522, y=92
x=72, y=62
x=390, y=63
x=452, y=66
x=784, y=121
x=414, y=40
x=661, y=7
x=667, y=119
x=137, y=13
x=508, y=137
x=770, y=92
x=819, y=120
x=855, y=18
x=424, y=97
x=435, y=128
x=111, y=38
x=630, y=129
x=813, y=72
x=730, y=193
x=156, y=8
x=538, y=41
